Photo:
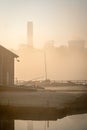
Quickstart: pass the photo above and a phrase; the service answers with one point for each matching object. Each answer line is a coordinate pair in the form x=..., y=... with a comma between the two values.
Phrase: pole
x=45, y=65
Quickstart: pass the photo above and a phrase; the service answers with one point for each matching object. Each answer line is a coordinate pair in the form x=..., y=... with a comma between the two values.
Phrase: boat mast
x=45, y=64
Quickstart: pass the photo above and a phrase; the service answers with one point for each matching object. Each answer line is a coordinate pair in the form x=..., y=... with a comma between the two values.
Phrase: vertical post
x=45, y=64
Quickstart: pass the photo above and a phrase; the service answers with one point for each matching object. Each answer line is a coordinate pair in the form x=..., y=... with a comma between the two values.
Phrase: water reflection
x=7, y=125
x=41, y=118
x=75, y=122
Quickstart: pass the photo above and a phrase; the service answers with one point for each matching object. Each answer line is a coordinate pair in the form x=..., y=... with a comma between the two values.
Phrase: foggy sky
x=62, y=63
x=58, y=20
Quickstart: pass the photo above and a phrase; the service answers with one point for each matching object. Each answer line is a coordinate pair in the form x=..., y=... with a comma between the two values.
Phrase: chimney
x=30, y=33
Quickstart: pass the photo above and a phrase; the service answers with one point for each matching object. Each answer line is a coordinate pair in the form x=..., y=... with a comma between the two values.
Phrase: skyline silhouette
x=58, y=20
x=62, y=63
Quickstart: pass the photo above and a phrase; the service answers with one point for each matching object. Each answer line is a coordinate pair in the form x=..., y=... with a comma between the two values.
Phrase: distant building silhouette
x=76, y=44
x=59, y=63
x=6, y=66
x=30, y=33
x=62, y=63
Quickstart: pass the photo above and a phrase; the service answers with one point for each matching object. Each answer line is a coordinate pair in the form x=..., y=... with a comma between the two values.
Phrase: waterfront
x=42, y=98
x=62, y=109
x=74, y=122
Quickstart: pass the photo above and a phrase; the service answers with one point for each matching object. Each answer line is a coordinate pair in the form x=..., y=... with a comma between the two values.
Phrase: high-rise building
x=30, y=33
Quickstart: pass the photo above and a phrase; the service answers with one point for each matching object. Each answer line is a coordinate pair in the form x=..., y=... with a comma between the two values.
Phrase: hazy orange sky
x=58, y=20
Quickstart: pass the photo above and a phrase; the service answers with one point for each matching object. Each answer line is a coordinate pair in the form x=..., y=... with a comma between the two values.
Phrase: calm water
x=75, y=122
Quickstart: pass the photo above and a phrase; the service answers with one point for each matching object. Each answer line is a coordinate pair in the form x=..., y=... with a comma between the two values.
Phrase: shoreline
x=77, y=106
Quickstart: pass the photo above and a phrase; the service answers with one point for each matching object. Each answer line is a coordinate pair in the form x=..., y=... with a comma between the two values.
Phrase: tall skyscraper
x=30, y=33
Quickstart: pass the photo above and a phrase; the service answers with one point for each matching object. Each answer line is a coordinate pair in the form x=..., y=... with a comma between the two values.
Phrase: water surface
x=74, y=122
